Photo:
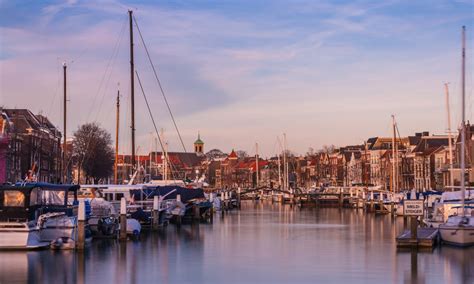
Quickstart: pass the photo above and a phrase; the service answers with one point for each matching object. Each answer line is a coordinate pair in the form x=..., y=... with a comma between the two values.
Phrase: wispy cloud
x=234, y=69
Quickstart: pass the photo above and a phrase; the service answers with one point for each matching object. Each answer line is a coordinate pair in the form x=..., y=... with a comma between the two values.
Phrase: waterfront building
x=33, y=147
x=469, y=156
x=424, y=160
x=6, y=165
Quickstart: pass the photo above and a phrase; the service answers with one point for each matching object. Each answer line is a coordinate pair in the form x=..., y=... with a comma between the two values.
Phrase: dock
x=425, y=237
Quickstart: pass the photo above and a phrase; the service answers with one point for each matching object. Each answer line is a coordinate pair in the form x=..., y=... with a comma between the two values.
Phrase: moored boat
x=34, y=214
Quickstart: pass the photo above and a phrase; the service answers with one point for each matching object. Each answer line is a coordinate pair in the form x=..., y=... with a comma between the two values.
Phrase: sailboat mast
x=64, y=125
x=117, y=137
x=393, y=183
x=256, y=163
x=463, y=127
x=450, y=145
x=279, y=172
x=285, y=163
x=132, y=88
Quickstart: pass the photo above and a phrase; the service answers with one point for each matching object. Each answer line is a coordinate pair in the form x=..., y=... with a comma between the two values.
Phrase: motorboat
x=32, y=215
x=449, y=205
x=458, y=230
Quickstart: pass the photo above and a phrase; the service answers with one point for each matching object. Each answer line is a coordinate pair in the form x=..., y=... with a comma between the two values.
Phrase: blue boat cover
x=149, y=192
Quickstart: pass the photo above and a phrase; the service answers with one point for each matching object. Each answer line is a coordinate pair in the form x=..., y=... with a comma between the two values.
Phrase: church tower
x=199, y=145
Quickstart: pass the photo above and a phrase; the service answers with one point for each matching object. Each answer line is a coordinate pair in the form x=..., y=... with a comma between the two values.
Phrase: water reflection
x=267, y=243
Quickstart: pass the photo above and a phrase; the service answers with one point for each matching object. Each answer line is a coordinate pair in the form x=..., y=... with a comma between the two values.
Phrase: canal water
x=262, y=243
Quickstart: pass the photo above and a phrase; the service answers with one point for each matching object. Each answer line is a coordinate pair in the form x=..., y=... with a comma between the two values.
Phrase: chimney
x=426, y=133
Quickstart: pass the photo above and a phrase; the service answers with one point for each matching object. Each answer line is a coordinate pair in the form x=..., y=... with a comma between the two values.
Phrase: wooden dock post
x=238, y=197
x=196, y=213
x=414, y=228
x=156, y=212
x=381, y=206
x=123, y=219
x=341, y=197
x=179, y=219
x=364, y=200
x=371, y=201
x=226, y=197
x=211, y=214
x=81, y=225
x=351, y=199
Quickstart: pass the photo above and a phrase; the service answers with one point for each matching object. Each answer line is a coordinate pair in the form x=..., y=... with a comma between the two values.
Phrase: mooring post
x=123, y=219
x=238, y=197
x=178, y=218
x=226, y=204
x=156, y=212
x=371, y=201
x=351, y=199
x=414, y=228
x=341, y=197
x=381, y=202
x=211, y=212
x=196, y=213
x=81, y=225
x=364, y=200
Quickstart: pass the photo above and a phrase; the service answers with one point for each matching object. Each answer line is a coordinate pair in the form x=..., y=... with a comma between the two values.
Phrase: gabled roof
x=24, y=121
x=371, y=142
x=428, y=142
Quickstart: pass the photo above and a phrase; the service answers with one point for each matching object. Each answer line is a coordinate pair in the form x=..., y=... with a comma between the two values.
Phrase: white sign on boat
x=413, y=207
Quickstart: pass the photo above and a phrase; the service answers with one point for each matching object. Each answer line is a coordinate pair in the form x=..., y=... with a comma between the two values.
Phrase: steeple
x=199, y=145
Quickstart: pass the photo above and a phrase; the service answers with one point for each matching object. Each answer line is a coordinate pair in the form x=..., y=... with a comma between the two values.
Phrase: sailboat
x=459, y=229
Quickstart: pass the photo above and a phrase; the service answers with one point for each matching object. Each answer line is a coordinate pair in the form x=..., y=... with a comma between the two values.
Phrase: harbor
x=236, y=142
x=272, y=243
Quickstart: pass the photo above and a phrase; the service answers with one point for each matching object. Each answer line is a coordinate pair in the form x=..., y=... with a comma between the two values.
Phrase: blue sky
x=240, y=72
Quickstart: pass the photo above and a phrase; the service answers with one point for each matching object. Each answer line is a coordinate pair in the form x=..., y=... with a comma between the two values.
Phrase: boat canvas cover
x=186, y=193
x=457, y=195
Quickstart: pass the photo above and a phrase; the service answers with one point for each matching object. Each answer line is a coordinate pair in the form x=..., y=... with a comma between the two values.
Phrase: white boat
x=449, y=205
x=459, y=230
x=33, y=215
x=56, y=225
x=20, y=235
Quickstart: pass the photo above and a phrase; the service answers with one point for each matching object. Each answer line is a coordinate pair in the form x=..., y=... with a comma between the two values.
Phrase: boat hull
x=20, y=236
x=58, y=227
x=457, y=235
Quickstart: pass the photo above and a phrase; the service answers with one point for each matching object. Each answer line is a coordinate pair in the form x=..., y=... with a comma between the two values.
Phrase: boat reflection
x=264, y=242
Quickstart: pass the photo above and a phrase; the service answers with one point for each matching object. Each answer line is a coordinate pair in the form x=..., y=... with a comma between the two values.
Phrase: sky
x=241, y=72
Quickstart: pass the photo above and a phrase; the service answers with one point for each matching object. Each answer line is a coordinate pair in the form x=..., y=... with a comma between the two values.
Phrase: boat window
x=71, y=196
x=52, y=197
x=118, y=196
x=34, y=196
x=13, y=198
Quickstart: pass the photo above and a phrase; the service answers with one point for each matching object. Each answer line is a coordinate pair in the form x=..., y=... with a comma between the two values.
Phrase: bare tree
x=93, y=151
x=241, y=154
x=215, y=154
x=327, y=149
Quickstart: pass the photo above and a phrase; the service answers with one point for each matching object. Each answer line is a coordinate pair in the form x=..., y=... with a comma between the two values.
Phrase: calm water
x=262, y=243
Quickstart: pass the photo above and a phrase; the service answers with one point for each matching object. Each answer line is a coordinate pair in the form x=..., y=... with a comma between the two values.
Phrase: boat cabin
x=26, y=202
